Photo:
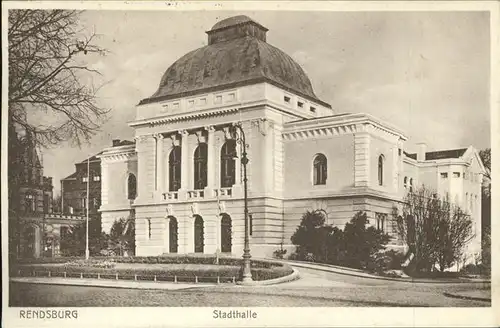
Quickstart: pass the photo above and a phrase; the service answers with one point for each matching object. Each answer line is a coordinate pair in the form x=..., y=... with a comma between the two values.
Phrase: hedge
x=173, y=259
x=226, y=272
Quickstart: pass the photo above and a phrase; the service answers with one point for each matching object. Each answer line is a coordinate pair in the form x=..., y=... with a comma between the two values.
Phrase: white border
x=304, y=317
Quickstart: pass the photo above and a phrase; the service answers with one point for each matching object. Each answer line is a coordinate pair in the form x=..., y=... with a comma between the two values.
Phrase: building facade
x=183, y=178
x=74, y=188
x=35, y=229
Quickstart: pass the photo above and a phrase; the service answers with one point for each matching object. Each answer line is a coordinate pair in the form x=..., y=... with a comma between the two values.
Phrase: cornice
x=337, y=125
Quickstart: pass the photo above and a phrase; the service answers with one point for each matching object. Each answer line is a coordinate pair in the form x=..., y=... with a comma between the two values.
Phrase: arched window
x=405, y=182
x=200, y=166
x=132, y=186
x=411, y=184
x=381, y=170
x=228, y=164
x=320, y=169
x=174, y=163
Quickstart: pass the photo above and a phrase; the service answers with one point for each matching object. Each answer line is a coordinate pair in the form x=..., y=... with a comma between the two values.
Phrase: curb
x=470, y=298
x=334, y=269
x=108, y=284
x=291, y=277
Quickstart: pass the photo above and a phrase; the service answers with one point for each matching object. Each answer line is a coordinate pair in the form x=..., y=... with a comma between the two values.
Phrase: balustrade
x=223, y=192
x=196, y=194
x=171, y=195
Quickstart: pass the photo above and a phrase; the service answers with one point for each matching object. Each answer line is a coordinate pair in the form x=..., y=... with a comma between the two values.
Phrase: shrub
x=279, y=253
x=356, y=246
x=209, y=271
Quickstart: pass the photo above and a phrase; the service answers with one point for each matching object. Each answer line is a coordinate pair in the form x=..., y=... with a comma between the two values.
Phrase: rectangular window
x=97, y=178
x=300, y=104
x=85, y=179
x=456, y=174
x=203, y=101
x=286, y=99
x=313, y=109
x=176, y=105
x=165, y=106
x=231, y=97
x=218, y=99
x=444, y=175
x=250, y=219
x=148, y=227
x=400, y=151
x=191, y=103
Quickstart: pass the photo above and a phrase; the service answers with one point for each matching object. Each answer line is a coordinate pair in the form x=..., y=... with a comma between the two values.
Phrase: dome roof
x=237, y=55
x=235, y=20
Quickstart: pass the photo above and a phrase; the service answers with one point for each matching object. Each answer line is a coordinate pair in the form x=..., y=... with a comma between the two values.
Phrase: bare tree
x=435, y=230
x=454, y=233
x=50, y=93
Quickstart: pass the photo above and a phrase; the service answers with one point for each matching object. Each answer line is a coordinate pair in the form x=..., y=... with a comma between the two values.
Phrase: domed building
x=183, y=179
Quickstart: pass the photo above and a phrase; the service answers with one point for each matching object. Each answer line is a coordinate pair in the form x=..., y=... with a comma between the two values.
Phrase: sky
x=425, y=72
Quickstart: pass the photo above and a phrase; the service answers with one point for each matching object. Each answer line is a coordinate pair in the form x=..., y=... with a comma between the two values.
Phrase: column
x=159, y=164
x=210, y=162
x=184, y=165
x=238, y=183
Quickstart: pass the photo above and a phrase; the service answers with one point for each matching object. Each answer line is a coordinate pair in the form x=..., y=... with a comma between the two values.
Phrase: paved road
x=316, y=288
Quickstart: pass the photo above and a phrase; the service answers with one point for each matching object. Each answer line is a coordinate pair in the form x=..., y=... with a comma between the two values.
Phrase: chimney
x=116, y=142
x=422, y=149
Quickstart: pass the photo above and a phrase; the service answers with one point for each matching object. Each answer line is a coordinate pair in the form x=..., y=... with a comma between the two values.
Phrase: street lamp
x=87, y=252
x=247, y=272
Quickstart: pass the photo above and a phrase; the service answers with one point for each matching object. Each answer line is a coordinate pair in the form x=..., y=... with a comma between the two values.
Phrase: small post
x=218, y=280
x=135, y=277
x=116, y=276
x=234, y=280
x=64, y=274
x=98, y=276
x=175, y=279
x=195, y=279
x=34, y=273
x=49, y=274
x=81, y=275
x=18, y=272
x=155, y=278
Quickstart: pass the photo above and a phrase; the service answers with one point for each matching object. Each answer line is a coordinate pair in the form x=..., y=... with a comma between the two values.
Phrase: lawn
x=149, y=271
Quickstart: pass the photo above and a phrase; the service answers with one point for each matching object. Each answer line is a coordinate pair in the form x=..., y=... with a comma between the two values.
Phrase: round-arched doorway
x=173, y=239
x=199, y=234
x=226, y=231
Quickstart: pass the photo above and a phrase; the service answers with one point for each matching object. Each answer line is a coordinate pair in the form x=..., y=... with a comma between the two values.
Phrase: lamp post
x=247, y=272
x=87, y=252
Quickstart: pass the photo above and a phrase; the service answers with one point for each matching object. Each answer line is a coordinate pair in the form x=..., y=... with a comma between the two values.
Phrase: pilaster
x=362, y=158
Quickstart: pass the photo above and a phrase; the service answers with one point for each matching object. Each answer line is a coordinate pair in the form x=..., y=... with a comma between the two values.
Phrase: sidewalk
x=362, y=274
x=109, y=283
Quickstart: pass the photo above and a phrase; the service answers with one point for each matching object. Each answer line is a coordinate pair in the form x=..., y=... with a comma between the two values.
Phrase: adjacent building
x=35, y=229
x=183, y=177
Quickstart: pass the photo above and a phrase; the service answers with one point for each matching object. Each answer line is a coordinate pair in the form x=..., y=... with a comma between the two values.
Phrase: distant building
x=74, y=188
x=184, y=177
x=36, y=227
